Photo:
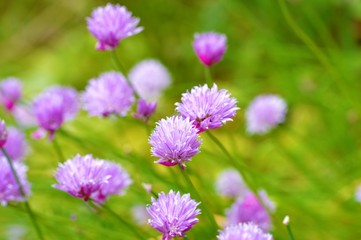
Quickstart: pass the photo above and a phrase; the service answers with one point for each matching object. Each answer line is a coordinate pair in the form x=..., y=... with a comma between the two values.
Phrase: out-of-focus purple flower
x=173, y=214
x=110, y=24
x=140, y=214
x=249, y=209
x=174, y=141
x=10, y=92
x=207, y=107
x=149, y=79
x=108, y=94
x=144, y=110
x=358, y=194
x=24, y=116
x=9, y=189
x=86, y=177
x=244, y=231
x=265, y=112
x=210, y=47
x=230, y=183
x=16, y=146
x=3, y=133
x=54, y=106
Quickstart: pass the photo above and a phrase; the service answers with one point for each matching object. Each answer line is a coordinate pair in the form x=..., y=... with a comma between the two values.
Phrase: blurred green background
x=308, y=52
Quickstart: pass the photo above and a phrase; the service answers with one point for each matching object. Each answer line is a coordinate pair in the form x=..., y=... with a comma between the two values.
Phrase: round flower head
x=16, y=145
x=230, y=183
x=207, y=107
x=10, y=92
x=145, y=110
x=70, y=100
x=149, y=79
x=24, y=116
x=108, y=94
x=244, y=231
x=174, y=141
x=85, y=177
x=265, y=112
x=210, y=47
x=173, y=214
x=110, y=24
x=3, y=133
x=249, y=209
x=9, y=188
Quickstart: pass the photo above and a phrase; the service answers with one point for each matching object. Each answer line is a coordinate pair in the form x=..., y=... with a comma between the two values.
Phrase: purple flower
x=108, y=94
x=16, y=146
x=54, y=106
x=149, y=79
x=10, y=92
x=230, y=183
x=110, y=24
x=24, y=116
x=86, y=177
x=173, y=214
x=9, y=188
x=174, y=141
x=3, y=133
x=358, y=194
x=210, y=47
x=207, y=107
x=145, y=110
x=244, y=231
x=249, y=209
x=265, y=112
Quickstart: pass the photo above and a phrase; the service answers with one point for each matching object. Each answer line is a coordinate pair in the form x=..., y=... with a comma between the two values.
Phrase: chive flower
x=210, y=47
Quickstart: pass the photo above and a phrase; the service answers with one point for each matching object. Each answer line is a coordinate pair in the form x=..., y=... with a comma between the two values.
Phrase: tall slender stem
x=290, y=234
x=208, y=76
x=22, y=192
x=207, y=212
x=58, y=150
x=117, y=63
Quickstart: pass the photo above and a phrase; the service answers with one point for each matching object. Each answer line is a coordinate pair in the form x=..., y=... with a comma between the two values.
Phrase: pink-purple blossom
x=173, y=214
x=210, y=47
x=10, y=92
x=174, y=141
x=108, y=94
x=144, y=110
x=3, y=133
x=110, y=24
x=265, y=112
x=16, y=146
x=243, y=231
x=90, y=178
x=208, y=107
x=230, y=183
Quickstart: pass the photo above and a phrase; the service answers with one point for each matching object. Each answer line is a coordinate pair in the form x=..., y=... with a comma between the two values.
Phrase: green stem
x=117, y=63
x=22, y=192
x=208, y=76
x=58, y=151
x=290, y=234
x=207, y=212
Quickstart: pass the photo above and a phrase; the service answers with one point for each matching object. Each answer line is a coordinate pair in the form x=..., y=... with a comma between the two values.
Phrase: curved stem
x=117, y=63
x=22, y=192
x=290, y=234
x=208, y=76
x=58, y=151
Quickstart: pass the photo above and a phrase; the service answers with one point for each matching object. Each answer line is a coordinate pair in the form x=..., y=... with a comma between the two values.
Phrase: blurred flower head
x=10, y=92
x=24, y=116
x=110, y=24
x=173, y=214
x=149, y=79
x=210, y=47
x=230, y=183
x=265, y=112
x=140, y=214
x=9, y=188
x=207, y=107
x=249, y=209
x=174, y=141
x=144, y=110
x=358, y=194
x=108, y=94
x=16, y=146
x=90, y=178
x=243, y=231
x=3, y=133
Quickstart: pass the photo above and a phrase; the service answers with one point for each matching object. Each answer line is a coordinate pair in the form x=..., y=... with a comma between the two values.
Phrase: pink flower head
x=173, y=214
x=145, y=110
x=230, y=183
x=210, y=47
x=208, y=107
x=3, y=133
x=10, y=92
x=16, y=146
x=243, y=231
x=110, y=24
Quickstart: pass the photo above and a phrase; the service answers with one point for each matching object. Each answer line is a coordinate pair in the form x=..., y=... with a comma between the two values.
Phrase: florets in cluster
x=10, y=92
x=210, y=47
x=230, y=183
x=16, y=146
x=244, y=231
x=145, y=110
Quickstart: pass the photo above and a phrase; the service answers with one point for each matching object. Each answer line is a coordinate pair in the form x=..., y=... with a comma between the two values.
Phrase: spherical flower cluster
x=230, y=183
x=149, y=79
x=9, y=188
x=108, y=94
x=174, y=141
x=210, y=47
x=89, y=178
x=10, y=92
x=173, y=214
x=207, y=107
x=110, y=24
x=144, y=110
x=244, y=231
x=3, y=133
x=70, y=99
x=265, y=112
x=249, y=209
x=16, y=146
